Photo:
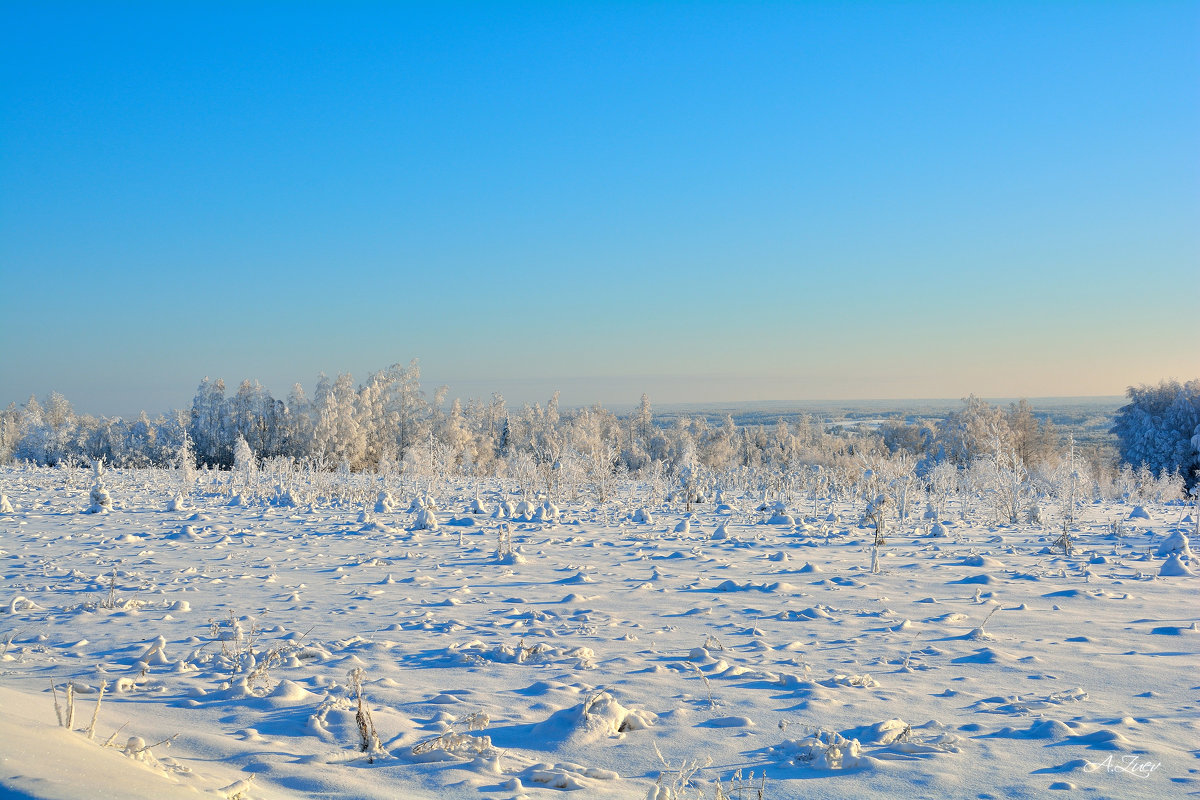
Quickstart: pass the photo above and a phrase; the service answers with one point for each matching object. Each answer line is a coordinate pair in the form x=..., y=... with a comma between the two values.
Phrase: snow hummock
x=1174, y=566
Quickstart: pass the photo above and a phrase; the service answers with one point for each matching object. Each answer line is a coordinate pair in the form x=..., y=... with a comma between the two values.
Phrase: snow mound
x=601, y=716
x=546, y=512
x=976, y=560
x=1174, y=567
x=826, y=751
x=1177, y=544
x=884, y=732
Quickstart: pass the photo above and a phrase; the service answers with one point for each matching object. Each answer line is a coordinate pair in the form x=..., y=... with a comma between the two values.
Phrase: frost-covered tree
x=943, y=481
x=377, y=422
x=482, y=447
x=142, y=441
x=899, y=435
x=497, y=425
x=104, y=439
x=971, y=432
x=296, y=436
x=455, y=433
x=1007, y=481
x=337, y=435
x=1160, y=427
x=1034, y=440
x=406, y=405
x=643, y=420
x=523, y=470
x=47, y=432
x=209, y=425
x=10, y=432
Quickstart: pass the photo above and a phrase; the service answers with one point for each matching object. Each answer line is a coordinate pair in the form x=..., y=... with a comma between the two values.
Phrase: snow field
x=616, y=653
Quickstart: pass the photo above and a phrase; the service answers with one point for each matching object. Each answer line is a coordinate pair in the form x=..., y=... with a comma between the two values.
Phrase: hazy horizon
x=535, y=392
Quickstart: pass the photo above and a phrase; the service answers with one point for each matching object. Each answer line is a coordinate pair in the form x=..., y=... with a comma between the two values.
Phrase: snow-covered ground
x=604, y=655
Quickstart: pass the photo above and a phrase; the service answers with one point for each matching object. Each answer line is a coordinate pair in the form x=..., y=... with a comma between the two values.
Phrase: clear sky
x=736, y=201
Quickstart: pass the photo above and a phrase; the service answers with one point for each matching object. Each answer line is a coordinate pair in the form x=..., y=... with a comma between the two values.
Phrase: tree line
x=389, y=424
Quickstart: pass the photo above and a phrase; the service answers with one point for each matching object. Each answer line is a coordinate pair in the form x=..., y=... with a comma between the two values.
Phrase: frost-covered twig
x=57, y=708
x=70, y=707
x=369, y=740
x=91, y=731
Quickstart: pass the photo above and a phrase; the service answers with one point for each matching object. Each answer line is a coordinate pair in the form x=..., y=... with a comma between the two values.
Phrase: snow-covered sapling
x=1196, y=503
x=1064, y=539
x=385, y=503
x=110, y=601
x=505, y=554
x=244, y=462
x=99, y=500
x=688, y=482
x=185, y=460
x=875, y=515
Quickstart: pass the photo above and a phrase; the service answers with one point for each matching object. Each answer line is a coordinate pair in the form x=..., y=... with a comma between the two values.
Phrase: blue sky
x=742, y=201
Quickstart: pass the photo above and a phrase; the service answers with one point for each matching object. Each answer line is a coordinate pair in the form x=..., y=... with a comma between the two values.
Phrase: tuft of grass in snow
x=674, y=782
x=712, y=701
x=743, y=788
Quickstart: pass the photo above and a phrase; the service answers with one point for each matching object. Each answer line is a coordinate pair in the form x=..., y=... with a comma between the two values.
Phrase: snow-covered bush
x=426, y=520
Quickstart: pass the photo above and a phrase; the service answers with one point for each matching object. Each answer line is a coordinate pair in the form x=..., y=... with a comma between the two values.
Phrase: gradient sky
x=701, y=201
